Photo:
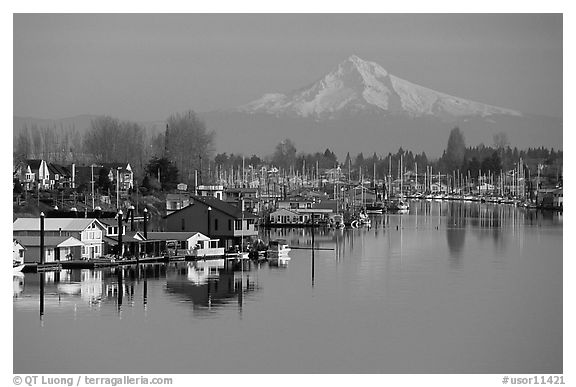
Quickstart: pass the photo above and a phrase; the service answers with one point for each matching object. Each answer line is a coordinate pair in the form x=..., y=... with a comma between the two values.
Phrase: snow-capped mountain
x=357, y=86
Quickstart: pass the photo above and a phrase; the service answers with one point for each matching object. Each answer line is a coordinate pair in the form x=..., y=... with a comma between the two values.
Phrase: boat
x=375, y=208
x=278, y=248
x=398, y=205
x=336, y=221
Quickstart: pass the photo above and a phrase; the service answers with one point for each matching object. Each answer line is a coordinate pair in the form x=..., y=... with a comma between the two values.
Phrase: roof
x=171, y=236
x=221, y=206
x=113, y=166
x=178, y=196
x=34, y=164
x=294, y=212
x=59, y=169
x=49, y=241
x=53, y=224
x=128, y=237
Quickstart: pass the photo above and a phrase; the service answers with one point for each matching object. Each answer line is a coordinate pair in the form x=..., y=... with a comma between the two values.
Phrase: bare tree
x=188, y=144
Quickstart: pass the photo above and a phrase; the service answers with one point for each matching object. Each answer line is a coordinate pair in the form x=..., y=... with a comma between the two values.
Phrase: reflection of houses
x=214, y=218
x=199, y=272
x=89, y=231
x=214, y=292
x=56, y=248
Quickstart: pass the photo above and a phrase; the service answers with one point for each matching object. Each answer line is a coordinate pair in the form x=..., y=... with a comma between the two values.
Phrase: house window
x=237, y=225
x=215, y=224
x=183, y=225
x=229, y=224
x=308, y=205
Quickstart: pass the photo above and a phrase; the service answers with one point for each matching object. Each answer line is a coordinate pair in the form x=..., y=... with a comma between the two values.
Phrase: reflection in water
x=455, y=232
x=426, y=291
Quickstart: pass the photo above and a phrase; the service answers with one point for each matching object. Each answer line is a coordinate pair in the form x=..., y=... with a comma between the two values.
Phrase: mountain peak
x=359, y=86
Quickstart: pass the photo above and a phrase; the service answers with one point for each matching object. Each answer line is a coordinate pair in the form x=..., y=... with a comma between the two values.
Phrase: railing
x=209, y=252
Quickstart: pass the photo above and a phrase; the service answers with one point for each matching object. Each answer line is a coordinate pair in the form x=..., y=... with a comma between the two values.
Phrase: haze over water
x=447, y=288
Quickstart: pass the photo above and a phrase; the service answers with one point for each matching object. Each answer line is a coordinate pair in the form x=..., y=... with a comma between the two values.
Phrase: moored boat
x=278, y=248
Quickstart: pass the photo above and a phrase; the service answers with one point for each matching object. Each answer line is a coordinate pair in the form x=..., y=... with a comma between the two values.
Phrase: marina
x=459, y=283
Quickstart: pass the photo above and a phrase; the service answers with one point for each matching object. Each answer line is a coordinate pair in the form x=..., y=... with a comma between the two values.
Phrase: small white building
x=17, y=252
x=189, y=243
x=215, y=191
x=284, y=216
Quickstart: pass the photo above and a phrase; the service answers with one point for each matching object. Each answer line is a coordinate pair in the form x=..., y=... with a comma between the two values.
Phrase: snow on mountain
x=359, y=86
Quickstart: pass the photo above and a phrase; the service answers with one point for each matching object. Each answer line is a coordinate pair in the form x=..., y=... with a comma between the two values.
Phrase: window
x=237, y=225
x=183, y=225
x=215, y=224
x=293, y=205
x=229, y=224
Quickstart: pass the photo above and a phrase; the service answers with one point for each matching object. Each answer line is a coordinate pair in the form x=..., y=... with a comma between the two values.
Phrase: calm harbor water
x=445, y=288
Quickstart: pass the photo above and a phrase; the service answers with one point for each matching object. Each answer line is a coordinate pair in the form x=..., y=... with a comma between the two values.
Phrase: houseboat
x=278, y=248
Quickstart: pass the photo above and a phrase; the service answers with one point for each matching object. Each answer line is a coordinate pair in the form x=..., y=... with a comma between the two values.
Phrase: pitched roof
x=221, y=206
x=34, y=164
x=113, y=166
x=53, y=224
x=59, y=169
x=49, y=241
x=169, y=236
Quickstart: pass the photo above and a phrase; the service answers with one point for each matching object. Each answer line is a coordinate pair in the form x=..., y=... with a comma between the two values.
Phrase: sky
x=143, y=67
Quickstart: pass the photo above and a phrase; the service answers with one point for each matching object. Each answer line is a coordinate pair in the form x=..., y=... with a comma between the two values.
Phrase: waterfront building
x=283, y=216
x=56, y=248
x=215, y=191
x=90, y=232
x=189, y=243
x=215, y=219
x=17, y=251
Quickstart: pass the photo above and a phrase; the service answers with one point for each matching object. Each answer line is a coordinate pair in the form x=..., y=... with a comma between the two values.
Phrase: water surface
x=446, y=288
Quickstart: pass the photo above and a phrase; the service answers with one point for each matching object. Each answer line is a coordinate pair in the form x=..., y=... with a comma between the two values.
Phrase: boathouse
x=56, y=248
x=89, y=231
